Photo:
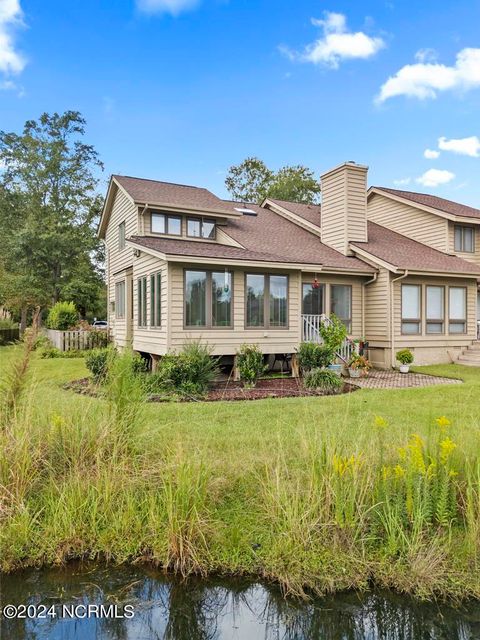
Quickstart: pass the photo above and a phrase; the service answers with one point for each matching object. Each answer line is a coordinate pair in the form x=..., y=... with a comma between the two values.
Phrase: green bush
x=333, y=333
x=323, y=380
x=250, y=364
x=404, y=356
x=62, y=316
x=312, y=356
x=98, y=361
x=49, y=351
x=188, y=373
x=8, y=323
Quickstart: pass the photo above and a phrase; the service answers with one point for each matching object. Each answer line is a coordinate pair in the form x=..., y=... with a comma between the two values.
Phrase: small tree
x=62, y=316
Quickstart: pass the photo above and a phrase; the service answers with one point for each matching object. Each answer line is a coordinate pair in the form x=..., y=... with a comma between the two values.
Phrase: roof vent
x=245, y=211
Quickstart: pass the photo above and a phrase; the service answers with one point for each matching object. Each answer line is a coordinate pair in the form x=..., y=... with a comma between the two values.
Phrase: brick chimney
x=344, y=206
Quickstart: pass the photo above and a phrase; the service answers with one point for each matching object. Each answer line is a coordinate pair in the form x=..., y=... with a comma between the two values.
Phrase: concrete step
x=471, y=355
x=468, y=363
x=474, y=347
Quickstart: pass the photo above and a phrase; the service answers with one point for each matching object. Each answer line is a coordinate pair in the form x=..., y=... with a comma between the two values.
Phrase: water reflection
x=170, y=609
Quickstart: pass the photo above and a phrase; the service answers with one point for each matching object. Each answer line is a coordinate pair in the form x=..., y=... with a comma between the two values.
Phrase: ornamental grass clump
x=323, y=380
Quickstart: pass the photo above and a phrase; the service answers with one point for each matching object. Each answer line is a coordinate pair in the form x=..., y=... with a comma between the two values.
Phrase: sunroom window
x=435, y=309
x=341, y=303
x=411, y=309
x=266, y=300
x=208, y=299
x=457, y=310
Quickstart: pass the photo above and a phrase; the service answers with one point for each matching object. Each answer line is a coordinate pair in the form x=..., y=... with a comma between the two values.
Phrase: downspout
x=392, y=315
x=142, y=218
x=364, y=286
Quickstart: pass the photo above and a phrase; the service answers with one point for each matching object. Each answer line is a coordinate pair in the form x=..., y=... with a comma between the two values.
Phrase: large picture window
x=464, y=239
x=163, y=223
x=411, y=309
x=266, y=300
x=201, y=228
x=457, y=310
x=142, y=301
x=156, y=300
x=313, y=299
x=435, y=297
x=120, y=299
x=208, y=299
x=341, y=303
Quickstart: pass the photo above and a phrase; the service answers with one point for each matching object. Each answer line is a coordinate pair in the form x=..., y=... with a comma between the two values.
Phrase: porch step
x=468, y=363
x=470, y=356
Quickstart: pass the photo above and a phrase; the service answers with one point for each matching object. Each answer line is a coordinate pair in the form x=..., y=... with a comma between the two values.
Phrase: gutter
x=364, y=285
x=392, y=315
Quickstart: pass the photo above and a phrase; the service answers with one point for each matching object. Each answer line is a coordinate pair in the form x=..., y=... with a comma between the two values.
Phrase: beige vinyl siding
x=377, y=305
x=354, y=282
x=356, y=185
x=150, y=339
x=410, y=221
x=123, y=210
x=333, y=212
x=446, y=339
x=226, y=341
x=471, y=257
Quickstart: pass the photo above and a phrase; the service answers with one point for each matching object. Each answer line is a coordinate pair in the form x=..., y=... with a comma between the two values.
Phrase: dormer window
x=464, y=239
x=164, y=223
x=201, y=228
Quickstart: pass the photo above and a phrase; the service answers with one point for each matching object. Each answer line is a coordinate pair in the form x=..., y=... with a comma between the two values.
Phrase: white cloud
x=435, y=177
x=337, y=43
x=431, y=154
x=426, y=55
x=425, y=80
x=463, y=146
x=11, y=61
x=174, y=7
x=402, y=182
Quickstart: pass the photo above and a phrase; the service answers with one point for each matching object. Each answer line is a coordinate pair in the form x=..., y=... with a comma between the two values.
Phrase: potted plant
x=405, y=357
x=358, y=366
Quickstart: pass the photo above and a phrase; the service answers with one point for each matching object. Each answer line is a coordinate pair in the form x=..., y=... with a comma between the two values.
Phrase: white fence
x=311, y=333
x=77, y=340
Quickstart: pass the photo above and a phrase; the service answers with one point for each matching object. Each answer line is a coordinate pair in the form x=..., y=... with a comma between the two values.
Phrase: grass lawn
x=312, y=492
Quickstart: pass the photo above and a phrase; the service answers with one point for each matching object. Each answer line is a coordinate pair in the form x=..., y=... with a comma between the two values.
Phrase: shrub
x=250, y=364
x=49, y=351
x=404, y=356
x=8, y=323
x=98, y=361
x=322, y=379
x=188, y=373
x=312, y=355
x=333, y=333
x=62, y=316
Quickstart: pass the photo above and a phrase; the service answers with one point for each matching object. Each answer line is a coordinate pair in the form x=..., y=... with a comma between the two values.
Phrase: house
x=400, y=269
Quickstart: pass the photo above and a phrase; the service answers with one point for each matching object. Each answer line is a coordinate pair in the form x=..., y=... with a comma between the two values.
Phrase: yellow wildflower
x=415, y=447
x=399, y=471
x=446, y=448
x=443, y=423
x=380, y=422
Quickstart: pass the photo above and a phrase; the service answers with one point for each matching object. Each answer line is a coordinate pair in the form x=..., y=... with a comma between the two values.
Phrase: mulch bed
x=230, y=390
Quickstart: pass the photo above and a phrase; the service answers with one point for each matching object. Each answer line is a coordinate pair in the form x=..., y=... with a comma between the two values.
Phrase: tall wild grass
x=324, y=513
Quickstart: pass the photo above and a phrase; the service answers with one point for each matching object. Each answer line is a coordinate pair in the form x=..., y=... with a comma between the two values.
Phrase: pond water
x=197, y=609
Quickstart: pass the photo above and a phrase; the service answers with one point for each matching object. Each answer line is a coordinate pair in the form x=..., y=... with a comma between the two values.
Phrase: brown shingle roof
x=310, y=212
x=198, y=249
x=447, y=206
x=404, y=253
x=269, y=232
x=154, y=192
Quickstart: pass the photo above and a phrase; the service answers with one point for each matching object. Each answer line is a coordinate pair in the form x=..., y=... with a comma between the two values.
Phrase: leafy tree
x=252, y=181
x=48, y=214
x=249, y=181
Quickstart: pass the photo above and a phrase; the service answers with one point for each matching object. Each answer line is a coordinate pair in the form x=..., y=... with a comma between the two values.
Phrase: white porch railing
x=311, y=333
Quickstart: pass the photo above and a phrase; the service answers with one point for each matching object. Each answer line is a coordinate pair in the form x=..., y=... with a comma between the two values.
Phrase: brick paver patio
x=377, y=379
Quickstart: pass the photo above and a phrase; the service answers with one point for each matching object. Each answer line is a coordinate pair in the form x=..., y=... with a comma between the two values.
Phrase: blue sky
x=181, y=89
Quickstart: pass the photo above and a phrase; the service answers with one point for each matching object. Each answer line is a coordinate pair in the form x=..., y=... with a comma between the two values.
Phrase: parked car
x=100, y=324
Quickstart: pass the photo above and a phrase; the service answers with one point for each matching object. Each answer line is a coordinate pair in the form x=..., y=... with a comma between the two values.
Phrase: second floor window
x=464, y=239
x=201, y=228
x=169, y=225
x=266, y=301
x=121, y=236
